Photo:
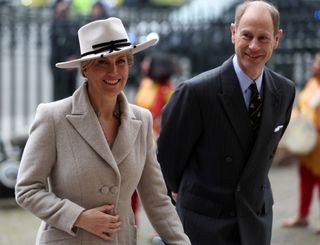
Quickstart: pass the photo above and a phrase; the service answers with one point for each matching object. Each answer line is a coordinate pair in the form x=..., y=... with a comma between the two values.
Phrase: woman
x=87, y=154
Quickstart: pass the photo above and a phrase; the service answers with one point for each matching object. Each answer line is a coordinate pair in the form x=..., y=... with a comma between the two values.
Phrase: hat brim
x=135, y=49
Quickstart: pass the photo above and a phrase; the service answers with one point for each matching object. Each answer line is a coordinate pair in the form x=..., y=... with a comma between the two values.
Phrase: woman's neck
x=104, y=107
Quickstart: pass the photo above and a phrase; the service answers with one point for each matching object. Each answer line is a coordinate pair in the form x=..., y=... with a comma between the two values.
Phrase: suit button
x=238, y=189
x=232, y=213
x=104, y=189
x=263, y=187
x=113, y=189
x=228, y=159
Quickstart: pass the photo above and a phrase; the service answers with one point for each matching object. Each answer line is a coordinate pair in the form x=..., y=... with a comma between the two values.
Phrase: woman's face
x=108, y=75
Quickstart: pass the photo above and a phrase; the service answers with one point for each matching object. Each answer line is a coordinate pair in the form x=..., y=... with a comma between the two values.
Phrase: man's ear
x=233, y=32
x=277, y=38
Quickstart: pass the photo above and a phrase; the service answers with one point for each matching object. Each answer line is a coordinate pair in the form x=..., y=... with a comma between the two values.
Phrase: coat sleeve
x=181, y=127
x=32, y=191
x=153, y=194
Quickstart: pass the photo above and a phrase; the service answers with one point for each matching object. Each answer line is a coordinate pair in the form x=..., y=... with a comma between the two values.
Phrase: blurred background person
x=99, y=11
x=85, y=8
x=64, y=45
x=309, y=167
x=154, y=92
x=156, y=86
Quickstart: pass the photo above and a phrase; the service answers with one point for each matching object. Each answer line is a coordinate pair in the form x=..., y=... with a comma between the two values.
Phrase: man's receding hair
x=241, y=9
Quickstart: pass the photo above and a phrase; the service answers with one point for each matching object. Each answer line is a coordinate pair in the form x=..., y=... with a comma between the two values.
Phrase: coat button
x=104, y=189
x=228, y=159
x=114, y=189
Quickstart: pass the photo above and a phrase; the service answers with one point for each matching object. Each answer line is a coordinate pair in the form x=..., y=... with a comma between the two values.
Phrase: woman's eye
x=102, y=62
x=121, y=61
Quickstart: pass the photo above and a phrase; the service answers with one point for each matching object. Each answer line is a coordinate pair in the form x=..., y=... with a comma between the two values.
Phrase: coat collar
x=85, y=122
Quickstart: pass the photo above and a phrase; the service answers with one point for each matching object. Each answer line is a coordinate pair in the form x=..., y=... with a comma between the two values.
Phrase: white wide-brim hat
x=103, y=38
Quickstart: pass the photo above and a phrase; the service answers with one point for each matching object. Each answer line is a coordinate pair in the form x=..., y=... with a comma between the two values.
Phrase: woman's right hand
x=99, y=221
x=174, y=196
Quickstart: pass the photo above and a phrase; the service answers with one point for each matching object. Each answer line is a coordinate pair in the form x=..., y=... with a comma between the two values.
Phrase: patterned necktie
x=255, y=106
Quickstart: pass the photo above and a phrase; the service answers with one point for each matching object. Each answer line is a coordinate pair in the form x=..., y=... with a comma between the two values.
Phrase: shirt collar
x=244, y=80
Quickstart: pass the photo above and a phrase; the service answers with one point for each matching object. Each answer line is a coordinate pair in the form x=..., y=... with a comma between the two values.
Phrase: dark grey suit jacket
x=209, y=155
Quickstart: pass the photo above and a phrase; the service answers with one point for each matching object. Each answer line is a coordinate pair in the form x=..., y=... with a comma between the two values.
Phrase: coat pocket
x=55, y=236
x=267, y=204
x=199, y=205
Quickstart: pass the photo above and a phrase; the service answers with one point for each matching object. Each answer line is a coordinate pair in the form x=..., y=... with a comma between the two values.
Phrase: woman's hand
x=99, y=222
x=174, y=196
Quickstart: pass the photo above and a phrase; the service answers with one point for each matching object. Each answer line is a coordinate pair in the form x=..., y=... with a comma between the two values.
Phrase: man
x=214, y=151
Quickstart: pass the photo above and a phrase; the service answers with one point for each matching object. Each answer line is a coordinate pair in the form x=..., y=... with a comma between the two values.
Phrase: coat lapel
x=128, y=131
x=234, y=105
x=85, y=122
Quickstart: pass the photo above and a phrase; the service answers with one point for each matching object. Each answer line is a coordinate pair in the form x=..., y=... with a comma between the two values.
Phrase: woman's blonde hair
x=87, y=63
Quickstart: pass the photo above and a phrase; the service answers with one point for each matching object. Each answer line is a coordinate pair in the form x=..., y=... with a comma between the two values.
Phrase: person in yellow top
x=309, y=167
x=153, y=93
x=156, y=87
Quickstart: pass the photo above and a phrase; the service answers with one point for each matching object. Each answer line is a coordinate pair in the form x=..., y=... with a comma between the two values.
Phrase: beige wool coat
x=67, y=167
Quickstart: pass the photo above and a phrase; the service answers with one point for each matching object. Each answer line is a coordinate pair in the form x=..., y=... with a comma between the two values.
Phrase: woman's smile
x=111, y=82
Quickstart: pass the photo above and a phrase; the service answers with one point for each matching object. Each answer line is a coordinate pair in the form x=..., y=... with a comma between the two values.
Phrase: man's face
x=254, y=40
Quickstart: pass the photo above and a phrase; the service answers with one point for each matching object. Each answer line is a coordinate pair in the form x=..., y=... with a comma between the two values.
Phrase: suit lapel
x=271, y=106
x=234, y=105
x=85, y=122
x=270, y=113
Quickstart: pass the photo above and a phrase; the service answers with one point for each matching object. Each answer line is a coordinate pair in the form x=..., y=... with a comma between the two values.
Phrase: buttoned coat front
x=68, y=166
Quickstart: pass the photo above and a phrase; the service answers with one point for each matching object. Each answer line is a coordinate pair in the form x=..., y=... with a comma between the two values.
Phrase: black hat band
x=111, y=46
